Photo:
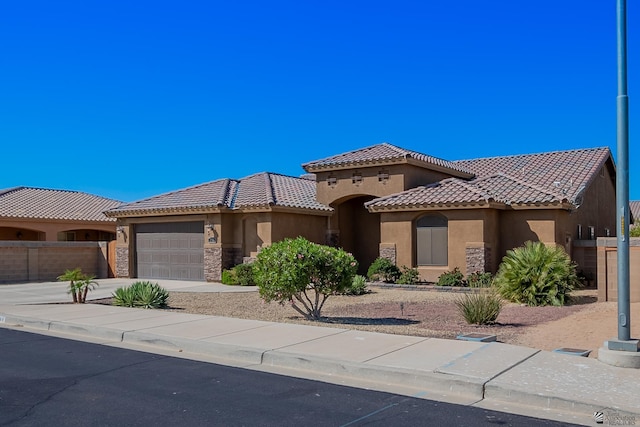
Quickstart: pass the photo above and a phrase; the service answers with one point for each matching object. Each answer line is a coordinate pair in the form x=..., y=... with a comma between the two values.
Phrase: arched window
x=432, y=241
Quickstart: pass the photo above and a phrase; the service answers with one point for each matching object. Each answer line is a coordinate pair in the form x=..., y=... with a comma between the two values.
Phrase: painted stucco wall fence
x=608, y=269
x=45, y=261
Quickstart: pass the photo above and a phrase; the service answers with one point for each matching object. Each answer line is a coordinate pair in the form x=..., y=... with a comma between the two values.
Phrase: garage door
x=170, y=250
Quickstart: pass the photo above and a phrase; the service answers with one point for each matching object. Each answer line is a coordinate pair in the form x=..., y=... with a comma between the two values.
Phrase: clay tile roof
x=381, y=154
x=546, y=178
x=512, y=191
x=208, y=195
x=278, y=190
x=445, y=192
x=634, y=206
x=42, y=203
x=261, y=190
x=563, y=173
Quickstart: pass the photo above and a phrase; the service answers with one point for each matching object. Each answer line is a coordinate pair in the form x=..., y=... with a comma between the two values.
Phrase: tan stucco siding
x=396, y=230
x=47, y=230
x=598, y=208
x=289, y=225
x=401, y=177
x=519, y=226
x=477, y=228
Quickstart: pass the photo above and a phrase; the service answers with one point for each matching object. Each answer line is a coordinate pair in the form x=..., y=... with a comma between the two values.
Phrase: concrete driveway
x=56, y=292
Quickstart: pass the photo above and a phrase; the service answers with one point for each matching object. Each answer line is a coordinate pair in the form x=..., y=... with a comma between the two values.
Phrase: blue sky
x=130, y=99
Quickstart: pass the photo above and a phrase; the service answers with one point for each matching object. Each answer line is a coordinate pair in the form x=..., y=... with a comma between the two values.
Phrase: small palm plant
x=79, y=284
x=537, y=275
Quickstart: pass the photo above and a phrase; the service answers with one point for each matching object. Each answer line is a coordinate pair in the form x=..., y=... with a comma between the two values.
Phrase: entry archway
x=358, y=230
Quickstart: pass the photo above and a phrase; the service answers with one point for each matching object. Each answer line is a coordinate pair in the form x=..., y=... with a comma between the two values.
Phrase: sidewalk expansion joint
x=396, y=350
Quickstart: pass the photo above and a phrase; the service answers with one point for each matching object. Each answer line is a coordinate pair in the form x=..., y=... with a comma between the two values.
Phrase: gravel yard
x=388, y=310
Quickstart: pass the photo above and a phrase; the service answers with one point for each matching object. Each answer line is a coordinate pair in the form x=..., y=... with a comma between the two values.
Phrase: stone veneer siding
x=212, y=264
x=122, y=262
x=218, y=259
x=478, y=259
x=389, y=253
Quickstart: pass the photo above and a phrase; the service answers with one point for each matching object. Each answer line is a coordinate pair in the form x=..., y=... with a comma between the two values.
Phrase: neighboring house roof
x=554, y=178
x=634, y=206
x=42, y=203
x=260, y=191
x=384, y=154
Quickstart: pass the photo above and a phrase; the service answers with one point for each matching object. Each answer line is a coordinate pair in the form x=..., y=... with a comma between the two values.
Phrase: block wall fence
x=25, y=261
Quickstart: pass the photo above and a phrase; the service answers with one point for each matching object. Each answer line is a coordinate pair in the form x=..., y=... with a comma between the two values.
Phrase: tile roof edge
x=173, y=192
x=57, y=190
x=531, y=154
x=11, y=190
x=340, y=154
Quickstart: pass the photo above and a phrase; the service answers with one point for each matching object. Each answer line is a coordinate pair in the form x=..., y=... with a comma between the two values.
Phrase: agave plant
x=141, y=294
x=536, y=275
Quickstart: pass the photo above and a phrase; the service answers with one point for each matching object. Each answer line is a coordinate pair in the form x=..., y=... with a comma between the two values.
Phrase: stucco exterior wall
x=291, y=225
x=519, y=226
x=471, y=239
x=597, y=209
x=47, y=230
x=400, y=177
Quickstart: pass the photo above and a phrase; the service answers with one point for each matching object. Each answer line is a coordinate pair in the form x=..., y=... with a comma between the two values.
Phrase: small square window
x=332, y=181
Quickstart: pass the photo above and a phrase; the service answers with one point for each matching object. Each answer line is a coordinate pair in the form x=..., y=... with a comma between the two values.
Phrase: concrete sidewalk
x=56, y=292
x=490, y=375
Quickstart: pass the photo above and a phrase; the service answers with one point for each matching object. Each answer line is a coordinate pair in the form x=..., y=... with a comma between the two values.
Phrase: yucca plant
x=480, y=308
x=537, y=275
x=141, y=294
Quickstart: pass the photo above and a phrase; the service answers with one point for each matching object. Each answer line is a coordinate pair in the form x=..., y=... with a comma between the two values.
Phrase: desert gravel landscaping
x=584, y=324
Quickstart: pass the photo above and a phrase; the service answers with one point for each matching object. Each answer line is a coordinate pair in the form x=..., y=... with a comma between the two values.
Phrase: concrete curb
x=472, y=372
x=468, y=388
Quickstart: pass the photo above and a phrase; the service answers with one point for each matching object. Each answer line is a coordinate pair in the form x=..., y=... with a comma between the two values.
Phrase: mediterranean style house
x=40, y=214
x=383, y=200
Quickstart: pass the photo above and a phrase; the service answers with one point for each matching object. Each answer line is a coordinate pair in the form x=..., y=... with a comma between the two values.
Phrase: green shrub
x=479, y=280
x=408, y=276
x=241, y=274
x=301, y=272
x=244, y=274
x=79, y=284
x=537, y=275
x=634, y=231
x=358, y=286
x=481, y=308
x=141, y=294
x=451, y=278
x=383, y=269
x=229, y=277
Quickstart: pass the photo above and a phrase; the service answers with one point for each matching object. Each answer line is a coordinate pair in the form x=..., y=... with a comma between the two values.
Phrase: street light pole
x=622, y=177
x=622, y=351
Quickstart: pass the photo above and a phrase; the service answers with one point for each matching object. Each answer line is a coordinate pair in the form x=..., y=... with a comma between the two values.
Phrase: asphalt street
x=48, y=381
